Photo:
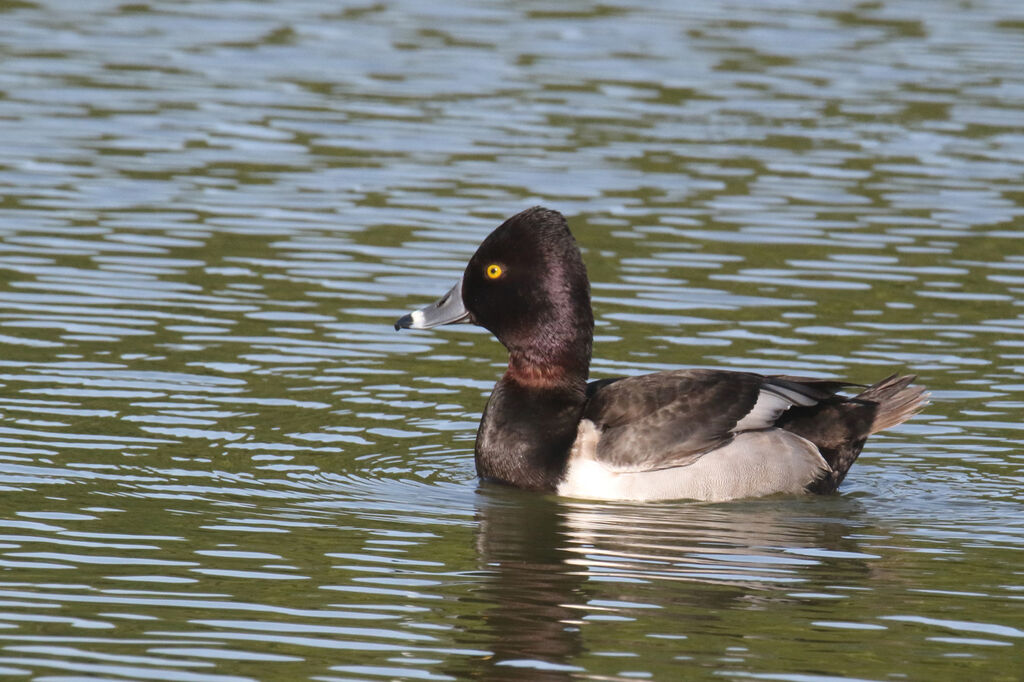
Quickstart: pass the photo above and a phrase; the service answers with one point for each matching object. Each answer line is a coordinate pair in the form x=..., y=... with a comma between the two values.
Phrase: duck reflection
x=757, y=544
x=553, y=567
x=521, y=545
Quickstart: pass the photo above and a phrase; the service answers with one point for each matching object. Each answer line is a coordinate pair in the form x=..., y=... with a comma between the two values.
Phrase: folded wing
x=671, y=419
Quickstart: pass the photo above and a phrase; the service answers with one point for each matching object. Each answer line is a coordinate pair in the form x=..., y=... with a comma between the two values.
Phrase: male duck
x=695, y=434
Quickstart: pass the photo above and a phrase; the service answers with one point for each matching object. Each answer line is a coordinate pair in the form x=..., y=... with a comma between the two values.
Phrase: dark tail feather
x=897, y=401
x=839, y=426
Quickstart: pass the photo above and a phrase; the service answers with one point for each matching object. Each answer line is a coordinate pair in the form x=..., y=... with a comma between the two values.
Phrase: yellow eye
x=494, y=271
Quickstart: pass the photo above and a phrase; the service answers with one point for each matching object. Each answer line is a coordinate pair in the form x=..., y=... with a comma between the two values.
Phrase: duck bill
x=449, y=309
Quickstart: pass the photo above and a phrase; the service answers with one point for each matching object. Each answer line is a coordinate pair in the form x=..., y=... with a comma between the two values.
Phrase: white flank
x=754, y=464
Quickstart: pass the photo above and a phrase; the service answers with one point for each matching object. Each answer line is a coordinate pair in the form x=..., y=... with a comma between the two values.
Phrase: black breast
x=526, y=434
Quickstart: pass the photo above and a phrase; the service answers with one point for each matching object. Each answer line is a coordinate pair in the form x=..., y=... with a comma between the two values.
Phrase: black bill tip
x=404, y=322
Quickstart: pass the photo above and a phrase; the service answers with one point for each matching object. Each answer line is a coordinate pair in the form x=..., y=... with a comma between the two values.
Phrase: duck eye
x=494, y=271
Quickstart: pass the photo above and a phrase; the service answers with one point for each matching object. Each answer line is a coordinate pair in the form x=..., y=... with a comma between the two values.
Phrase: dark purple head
x=526, y=283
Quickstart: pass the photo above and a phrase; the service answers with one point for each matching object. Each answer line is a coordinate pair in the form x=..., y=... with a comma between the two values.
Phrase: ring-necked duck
x=694, y=434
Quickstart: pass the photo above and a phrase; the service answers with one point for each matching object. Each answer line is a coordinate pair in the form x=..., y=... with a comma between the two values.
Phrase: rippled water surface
x=218, y=461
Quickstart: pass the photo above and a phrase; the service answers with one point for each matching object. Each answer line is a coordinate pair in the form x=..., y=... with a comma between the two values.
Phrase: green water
x=218, y=461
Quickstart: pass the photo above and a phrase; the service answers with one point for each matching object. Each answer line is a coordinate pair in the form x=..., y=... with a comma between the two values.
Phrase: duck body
x=689, y=434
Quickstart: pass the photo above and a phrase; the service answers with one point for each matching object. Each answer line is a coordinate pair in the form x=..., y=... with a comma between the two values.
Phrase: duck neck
x=527, y=370
x=558, y=356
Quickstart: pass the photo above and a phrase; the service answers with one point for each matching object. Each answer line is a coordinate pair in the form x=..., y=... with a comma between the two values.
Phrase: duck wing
x=670, y=419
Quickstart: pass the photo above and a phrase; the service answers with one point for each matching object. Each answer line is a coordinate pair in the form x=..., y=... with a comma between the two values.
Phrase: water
x=219, y=462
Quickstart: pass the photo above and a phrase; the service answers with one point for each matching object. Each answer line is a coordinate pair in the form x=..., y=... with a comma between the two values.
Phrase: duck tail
x=897, y=400
x=840, y=426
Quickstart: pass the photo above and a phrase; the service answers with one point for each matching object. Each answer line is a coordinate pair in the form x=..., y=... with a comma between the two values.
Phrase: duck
x=689, y=434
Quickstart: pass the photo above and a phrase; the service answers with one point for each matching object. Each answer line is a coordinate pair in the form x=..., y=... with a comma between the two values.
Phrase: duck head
x=527, y=285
